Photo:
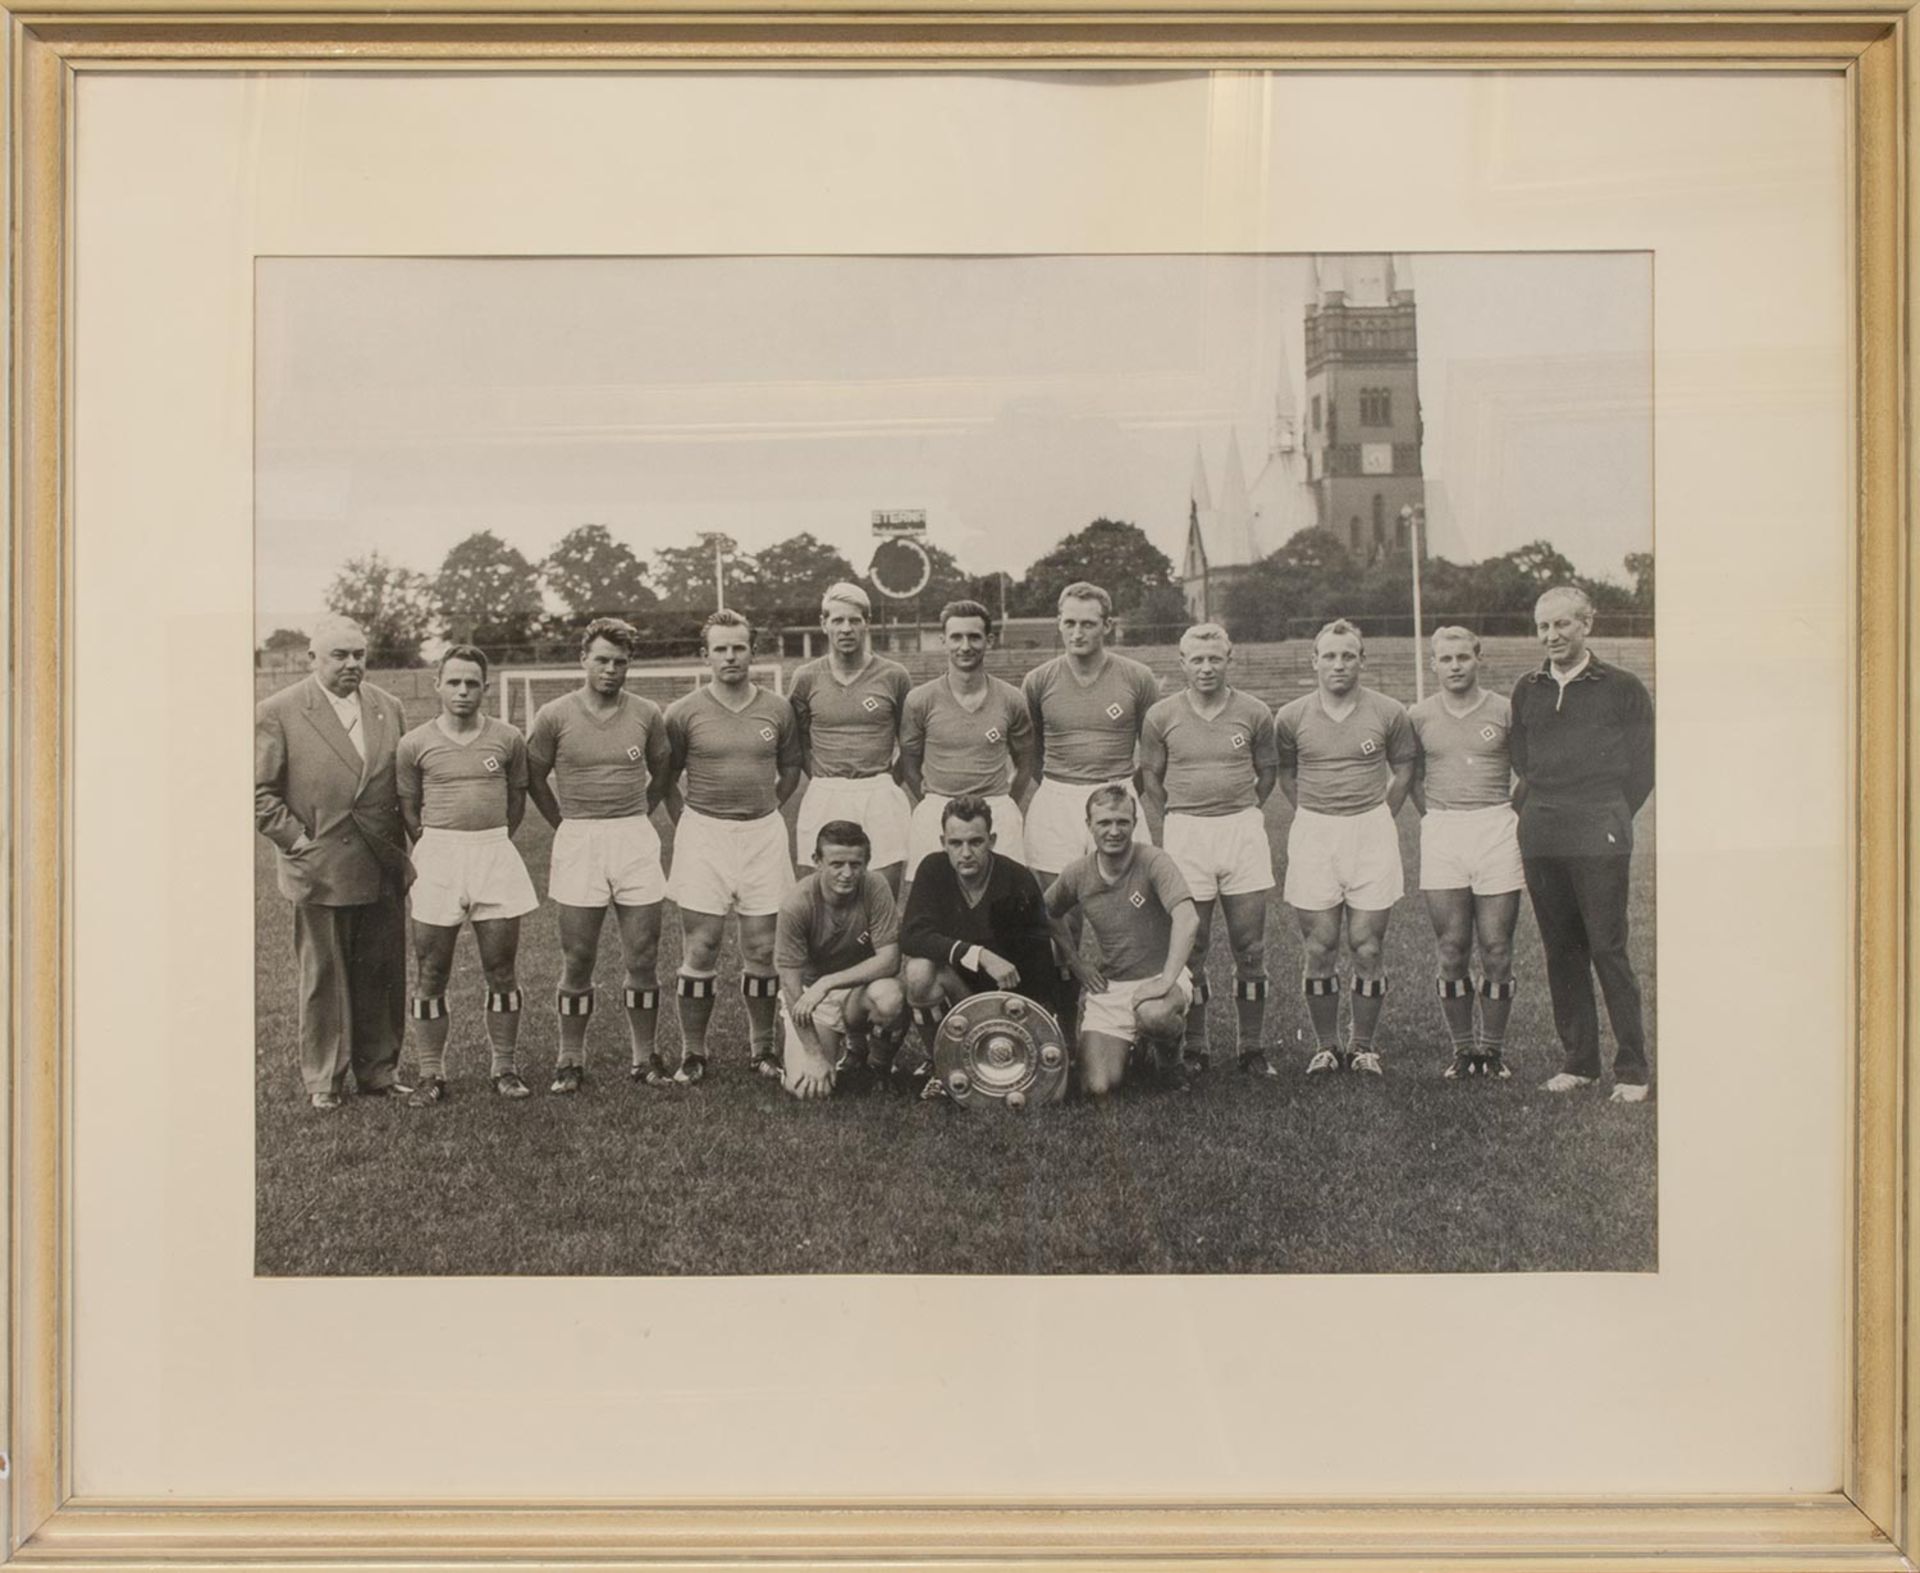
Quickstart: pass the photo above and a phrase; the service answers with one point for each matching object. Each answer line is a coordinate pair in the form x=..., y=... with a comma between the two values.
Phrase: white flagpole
x=1419, y=665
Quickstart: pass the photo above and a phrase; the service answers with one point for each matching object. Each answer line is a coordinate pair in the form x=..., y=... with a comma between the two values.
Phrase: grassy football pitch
x=1340, y=1174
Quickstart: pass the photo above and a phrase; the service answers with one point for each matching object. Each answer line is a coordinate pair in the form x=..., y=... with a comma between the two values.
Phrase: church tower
x=1363, y=400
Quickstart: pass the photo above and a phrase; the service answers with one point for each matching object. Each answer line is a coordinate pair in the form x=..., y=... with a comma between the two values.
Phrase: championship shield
x=1000, y=1049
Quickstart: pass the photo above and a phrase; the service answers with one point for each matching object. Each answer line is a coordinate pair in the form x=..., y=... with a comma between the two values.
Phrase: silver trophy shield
x=1001, y=1049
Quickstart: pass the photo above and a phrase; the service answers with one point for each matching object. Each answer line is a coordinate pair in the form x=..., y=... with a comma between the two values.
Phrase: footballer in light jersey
x=462, y=779
x=1088, y=706
x=847, y=706
x=1470, y=870
x=733, y=759
x=596, y=761
x=1208, y=762
x=1346, y=764
x=1143, y=917
x=965, y=734
x=837, y=946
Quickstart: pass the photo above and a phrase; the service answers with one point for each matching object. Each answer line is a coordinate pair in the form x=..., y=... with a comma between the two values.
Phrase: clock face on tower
x=1376, y=458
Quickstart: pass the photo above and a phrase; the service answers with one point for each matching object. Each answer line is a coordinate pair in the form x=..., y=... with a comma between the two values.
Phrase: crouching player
x=1208, y=760
x=976, y=921
x=1144, y=920
x=463, y=787
x=1470, y=869
x=837, y=949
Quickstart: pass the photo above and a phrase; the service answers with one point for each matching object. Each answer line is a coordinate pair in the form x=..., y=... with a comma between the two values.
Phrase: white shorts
x=600, y=860
x=462, y=874
x=1475, y=849
x=923, y=834
x=876, y=803
x=731, y=865
x=1057, y=822
x=1220, y=855
x=1344, y=860
x=1110, y=1012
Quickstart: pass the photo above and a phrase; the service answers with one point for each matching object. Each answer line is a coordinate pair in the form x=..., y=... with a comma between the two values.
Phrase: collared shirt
x=348, y=710
x=1583, y=752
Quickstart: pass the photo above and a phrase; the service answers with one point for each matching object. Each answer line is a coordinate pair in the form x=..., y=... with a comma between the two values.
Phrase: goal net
x=524, y=689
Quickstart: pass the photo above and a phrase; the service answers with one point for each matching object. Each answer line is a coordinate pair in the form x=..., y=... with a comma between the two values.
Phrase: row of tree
x=1314, y=578
x=488, y=593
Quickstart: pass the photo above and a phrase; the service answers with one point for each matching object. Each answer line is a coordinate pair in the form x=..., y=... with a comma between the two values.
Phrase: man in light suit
x=324, y=794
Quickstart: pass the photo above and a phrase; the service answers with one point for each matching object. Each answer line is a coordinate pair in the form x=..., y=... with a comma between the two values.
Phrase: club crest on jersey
x=1488, y=733
x=1369, y=747
x=869, y=703
x=1115, y=711
x=1239, y=739
x=491, y=763
x=633, y=751
x=766, y=734
x=866, y=936
x=993, y=734
x=1136, y=900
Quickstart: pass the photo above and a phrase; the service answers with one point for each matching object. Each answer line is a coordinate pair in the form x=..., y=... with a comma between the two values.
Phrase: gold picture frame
x=1872, y=1524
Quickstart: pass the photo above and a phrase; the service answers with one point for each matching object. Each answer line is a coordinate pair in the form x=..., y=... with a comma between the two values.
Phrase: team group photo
x=1116, y=864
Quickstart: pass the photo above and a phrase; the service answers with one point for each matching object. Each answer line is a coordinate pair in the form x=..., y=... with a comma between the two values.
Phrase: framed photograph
x=487, y=386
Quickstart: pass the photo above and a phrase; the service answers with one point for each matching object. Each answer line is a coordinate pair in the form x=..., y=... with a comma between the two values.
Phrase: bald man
x=326, y=795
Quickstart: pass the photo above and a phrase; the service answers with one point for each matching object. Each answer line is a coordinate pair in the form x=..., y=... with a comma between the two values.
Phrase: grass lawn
x=1340, y=1174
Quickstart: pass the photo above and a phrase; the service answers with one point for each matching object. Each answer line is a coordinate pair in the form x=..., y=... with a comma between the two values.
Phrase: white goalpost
x=524, y=689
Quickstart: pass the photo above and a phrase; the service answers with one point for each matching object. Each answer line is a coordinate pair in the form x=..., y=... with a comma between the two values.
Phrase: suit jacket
x=308, y=779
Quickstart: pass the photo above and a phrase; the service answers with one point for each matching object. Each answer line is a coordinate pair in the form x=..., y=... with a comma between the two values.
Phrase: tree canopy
x=593, y=575
x=392, y=604
x=486, y=593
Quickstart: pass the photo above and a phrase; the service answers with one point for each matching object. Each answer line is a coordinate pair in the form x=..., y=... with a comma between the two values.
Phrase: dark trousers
x=1580, y=904
x=353, y=993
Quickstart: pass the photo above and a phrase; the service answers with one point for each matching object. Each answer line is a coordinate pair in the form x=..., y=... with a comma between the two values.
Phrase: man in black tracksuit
x=1582, y=745
x=975, y=921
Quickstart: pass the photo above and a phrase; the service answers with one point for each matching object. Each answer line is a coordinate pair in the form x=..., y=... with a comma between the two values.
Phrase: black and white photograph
x=1048, y=764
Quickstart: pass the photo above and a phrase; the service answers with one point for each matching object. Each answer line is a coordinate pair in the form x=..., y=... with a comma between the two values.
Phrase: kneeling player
x=976, y=921
x=1143, y=917
x=837, y=949
x=463, y=787
x=1470, y=869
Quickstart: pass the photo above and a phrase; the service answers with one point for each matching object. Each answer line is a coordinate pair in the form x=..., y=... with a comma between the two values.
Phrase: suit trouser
x=1580, y=905
x=353, y=992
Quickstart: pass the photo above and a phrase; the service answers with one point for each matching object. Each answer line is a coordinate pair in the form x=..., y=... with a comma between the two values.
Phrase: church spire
x=1199, y=494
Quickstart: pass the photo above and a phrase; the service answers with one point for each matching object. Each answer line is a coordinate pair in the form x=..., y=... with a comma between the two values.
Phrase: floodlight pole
x=1413, y=518
x=720, y=580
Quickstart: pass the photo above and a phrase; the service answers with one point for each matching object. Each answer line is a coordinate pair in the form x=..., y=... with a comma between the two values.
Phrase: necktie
x=352, y=719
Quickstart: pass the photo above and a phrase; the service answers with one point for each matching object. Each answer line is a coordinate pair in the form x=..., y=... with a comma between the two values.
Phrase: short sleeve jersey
x=600, y=765
x=461, y=785
x=1211, y=764
x=1091, y=728
x=733, y=759
x=1133, y=917
x=817, y=938
x=850, y=728
x=964, y=752
x=1344, y=766
x=1467, y=764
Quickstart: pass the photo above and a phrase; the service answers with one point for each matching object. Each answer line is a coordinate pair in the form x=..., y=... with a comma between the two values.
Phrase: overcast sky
x=403, y=404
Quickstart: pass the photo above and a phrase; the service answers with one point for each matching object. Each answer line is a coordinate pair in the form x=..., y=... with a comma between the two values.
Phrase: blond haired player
x=596, y=761
x=462, y=779
x=1470, y=870
x=1142, y=915
x=1346, y=764
x=847, y=705
x=734, y=758
x=1088, y=705
x=1208, y=762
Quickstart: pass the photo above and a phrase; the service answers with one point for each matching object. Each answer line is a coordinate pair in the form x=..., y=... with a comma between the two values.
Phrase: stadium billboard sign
x=899, y=521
